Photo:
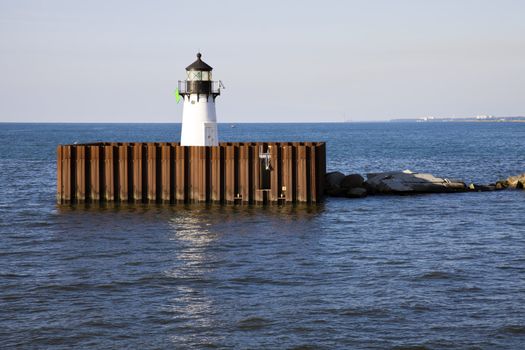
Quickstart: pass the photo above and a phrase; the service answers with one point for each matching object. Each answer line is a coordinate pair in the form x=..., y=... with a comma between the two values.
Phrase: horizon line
x=119, y=122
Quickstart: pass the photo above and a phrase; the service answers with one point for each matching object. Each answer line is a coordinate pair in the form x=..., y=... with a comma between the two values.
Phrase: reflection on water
x=217, y=260
x=189, y=306
x=191, y=228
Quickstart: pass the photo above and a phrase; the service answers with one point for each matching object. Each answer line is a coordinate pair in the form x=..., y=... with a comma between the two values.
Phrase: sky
x=280, y=61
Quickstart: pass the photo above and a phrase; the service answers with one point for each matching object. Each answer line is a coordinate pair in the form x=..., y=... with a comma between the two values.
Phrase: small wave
x=253, y=323
x=466, y=289
x=37, y=224
x=13, y=275
x=356, y=312
x=160, y=321
x=64, y=287
x=435, y=275
x=256, y=280
x=509, y=267
x=301, y=329
x=421, y=307
x=410, y=347
x=395, y=262
x=24, y=253
x=150, y=278
x=304, y=347
x=109, y=286
x=109, y=254
x=513, y=329
x=11, y=297
x=98, y=323
x=71, y=257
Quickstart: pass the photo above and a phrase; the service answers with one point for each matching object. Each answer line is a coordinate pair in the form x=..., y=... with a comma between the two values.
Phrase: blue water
x=441, y=271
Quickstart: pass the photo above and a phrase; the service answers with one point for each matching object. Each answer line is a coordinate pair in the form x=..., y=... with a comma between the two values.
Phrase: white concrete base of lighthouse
x=199, y=122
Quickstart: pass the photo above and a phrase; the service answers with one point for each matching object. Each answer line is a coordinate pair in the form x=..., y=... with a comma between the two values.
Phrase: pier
x=164, y=172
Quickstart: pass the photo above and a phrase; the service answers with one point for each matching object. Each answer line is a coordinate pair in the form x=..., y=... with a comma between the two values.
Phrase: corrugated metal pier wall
x=240, y=173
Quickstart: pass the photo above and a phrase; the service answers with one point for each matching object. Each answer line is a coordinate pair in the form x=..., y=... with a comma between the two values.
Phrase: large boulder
x=517, y=181
x=483, y=188
x=352, y=181
x=356, y=192
x=332, y=183
x=407, y=182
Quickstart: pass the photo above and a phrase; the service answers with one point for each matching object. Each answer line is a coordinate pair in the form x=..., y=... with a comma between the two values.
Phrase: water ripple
x=423, y=272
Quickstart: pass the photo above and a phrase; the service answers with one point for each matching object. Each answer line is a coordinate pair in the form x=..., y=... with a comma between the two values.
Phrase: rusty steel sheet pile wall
x=234, y=173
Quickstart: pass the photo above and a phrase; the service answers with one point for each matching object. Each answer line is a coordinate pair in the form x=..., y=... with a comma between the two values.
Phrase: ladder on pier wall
x=231, y=173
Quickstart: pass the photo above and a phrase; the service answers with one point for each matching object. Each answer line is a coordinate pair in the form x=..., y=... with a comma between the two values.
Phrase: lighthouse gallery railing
x=199, y=86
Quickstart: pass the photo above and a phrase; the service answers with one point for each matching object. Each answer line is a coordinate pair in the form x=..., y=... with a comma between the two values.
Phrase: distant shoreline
x=477, y=119
x=457, y=121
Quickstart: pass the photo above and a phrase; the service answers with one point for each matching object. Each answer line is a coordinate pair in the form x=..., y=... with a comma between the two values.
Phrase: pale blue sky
x=119, y=61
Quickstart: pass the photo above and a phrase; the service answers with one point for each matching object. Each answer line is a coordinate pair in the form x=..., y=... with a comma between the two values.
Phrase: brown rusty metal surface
x=152, y=172
x=166, y=161
x=109, y=184
x=229, y=173
x=123, y=173
x=216, y=175
x=201, y=168
x=244, y=174
x=302, y=195
x=94, y=174
x=180, y=174
x=137, y=172
x=197, y=174
x=170, y=173
x=66, y=175
x=312, y=174
x=80, y=183
x=288, y=182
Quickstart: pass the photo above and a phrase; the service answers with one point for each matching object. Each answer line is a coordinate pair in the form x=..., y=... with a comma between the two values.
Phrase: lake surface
x=440, y=271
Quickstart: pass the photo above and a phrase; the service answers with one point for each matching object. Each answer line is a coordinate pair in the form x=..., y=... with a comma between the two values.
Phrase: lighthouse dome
x=199, y=65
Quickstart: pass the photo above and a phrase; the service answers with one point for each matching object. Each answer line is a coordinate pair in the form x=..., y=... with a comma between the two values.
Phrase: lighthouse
x=198, y=169
x=199, y=91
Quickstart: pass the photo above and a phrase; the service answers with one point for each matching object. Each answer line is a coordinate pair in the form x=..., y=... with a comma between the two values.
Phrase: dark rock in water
x=483, y=188
x=356, y=192
x=407, y=182
x=333, y=183
x=352, y=181
x=339, y=185
x=501, y=185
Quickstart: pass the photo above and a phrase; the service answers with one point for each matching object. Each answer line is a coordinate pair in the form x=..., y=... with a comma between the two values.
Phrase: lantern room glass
x=198, y=75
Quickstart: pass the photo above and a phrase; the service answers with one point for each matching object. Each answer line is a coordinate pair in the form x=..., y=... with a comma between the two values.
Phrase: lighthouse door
x=209, y=135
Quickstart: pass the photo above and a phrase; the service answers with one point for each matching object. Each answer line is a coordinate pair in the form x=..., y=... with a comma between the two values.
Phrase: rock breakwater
x=407, y=182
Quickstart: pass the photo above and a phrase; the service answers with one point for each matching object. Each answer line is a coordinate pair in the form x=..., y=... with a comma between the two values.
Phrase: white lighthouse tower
x=199, y=121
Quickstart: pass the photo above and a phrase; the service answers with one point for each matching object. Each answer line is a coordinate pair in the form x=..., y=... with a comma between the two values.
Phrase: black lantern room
x=199, y=80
